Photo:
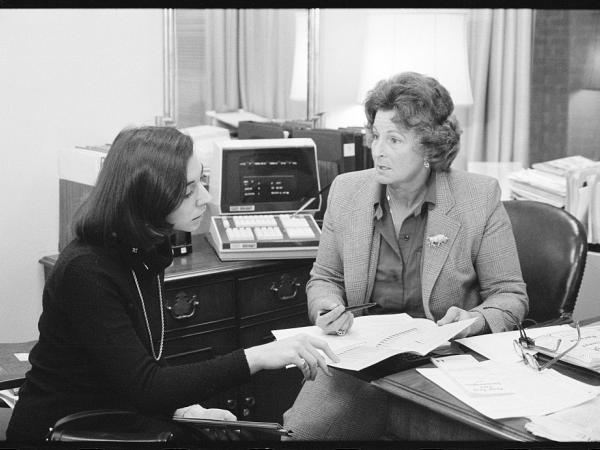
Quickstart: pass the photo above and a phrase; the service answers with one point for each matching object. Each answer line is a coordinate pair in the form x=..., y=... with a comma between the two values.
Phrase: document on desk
x=527, y=392
x=585, y=354
x=499, y=346
x=577, y=424
x=375, y=338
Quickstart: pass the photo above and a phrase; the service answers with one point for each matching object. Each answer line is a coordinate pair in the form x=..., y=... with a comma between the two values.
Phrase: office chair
x=552, y=248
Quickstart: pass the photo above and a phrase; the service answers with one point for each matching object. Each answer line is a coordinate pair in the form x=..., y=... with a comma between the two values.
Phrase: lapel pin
x=437, y=240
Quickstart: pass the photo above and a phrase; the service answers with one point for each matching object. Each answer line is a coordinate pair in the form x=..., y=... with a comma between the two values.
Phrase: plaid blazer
x=477, y=266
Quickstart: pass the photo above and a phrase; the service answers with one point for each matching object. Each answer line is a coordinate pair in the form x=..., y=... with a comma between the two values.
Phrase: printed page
x=499, y=346
x=375, y=338
x=587, y=351
x=579, y=423
x=533, y=393
x=474, y=378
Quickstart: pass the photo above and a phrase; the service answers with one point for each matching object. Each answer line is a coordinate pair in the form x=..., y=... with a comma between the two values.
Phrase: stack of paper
x=533, y=184
x=547, y=181
x=585, y=354
x=562, y=166
x=579, y=423
x=524, y=392
x=571, y=183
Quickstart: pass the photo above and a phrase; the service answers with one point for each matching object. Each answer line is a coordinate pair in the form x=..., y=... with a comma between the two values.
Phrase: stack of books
x=570, y=183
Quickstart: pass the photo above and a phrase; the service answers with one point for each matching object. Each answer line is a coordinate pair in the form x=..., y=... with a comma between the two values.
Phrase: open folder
x=375, y=338
x=266, y=427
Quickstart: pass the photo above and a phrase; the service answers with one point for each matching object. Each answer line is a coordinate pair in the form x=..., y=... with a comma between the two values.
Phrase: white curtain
x=250, y=56
x=500, y=48
x=221, y=89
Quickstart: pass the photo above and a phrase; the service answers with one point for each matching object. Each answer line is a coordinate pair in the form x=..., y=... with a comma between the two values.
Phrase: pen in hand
x=352, y=308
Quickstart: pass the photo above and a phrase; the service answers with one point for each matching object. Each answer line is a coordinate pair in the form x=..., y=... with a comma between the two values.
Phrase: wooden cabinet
x=214, y=307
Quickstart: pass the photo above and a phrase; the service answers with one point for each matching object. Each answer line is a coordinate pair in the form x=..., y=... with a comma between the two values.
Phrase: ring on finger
x=341, y=332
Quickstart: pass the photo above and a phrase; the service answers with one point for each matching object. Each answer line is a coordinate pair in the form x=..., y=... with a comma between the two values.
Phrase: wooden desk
x=421, y=410
x=12, y=370
x=215, y=307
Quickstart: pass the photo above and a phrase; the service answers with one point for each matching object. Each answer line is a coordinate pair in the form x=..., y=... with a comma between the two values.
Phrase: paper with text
x=534, y=393
x=579, y=423
x=473, y=377
x=375, y=338
x=585, y=354
x=499, y=346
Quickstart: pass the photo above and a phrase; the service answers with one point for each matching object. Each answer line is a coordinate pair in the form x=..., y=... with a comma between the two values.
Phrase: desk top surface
x=414, y=387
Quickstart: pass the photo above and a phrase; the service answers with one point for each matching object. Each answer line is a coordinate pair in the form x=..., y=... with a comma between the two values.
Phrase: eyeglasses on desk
x=525, y=345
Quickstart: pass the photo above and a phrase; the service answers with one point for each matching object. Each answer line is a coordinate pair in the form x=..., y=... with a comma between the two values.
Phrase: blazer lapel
x=438, y=223
x=360, y=245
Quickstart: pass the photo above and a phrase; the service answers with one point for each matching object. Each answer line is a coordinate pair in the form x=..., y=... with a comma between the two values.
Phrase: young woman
x=102, y=325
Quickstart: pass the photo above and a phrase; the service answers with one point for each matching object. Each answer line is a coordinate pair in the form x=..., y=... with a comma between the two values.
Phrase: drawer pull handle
x=287, y=289
x=184, y=306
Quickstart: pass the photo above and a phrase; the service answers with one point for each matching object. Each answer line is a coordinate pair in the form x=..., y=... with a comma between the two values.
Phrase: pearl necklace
x=162, y=317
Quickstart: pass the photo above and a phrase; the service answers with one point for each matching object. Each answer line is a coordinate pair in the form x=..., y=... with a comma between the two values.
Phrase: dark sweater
x=94, y=351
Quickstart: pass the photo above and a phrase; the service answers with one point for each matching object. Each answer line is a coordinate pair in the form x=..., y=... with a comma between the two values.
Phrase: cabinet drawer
x=260, y=333
x=272, y=292
x=200, y=346
x=191, y=305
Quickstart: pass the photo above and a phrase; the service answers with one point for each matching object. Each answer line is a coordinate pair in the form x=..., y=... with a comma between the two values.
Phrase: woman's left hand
x=455, y=314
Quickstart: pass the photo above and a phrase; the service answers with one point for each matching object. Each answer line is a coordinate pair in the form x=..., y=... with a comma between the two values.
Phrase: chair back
x=552, y=248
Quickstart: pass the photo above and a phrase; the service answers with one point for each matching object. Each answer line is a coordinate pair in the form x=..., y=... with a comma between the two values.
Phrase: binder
x=362, y=154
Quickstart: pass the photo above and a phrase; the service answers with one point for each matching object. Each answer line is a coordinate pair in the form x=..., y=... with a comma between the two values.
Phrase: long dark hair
x=143, y=179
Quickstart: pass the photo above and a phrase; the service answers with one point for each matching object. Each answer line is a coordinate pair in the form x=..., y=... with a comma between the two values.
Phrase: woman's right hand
x=334, y=320
x=301, y=350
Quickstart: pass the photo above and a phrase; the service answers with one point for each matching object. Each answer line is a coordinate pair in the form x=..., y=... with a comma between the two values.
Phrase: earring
x=426, y=163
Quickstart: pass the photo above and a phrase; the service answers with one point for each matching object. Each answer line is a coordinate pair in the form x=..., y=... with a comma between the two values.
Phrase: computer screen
x=264, y=175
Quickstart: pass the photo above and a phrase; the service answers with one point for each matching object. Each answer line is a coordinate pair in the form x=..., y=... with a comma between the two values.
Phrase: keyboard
x=264, y=236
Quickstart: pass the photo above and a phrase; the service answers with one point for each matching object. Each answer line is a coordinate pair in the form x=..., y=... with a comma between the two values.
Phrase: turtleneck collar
x=150, y=260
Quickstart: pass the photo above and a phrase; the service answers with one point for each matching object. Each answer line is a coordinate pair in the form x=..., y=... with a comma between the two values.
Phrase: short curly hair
x=422, y=104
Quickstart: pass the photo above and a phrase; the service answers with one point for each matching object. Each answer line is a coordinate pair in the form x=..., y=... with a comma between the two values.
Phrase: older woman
x=412, y=235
